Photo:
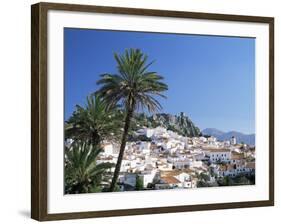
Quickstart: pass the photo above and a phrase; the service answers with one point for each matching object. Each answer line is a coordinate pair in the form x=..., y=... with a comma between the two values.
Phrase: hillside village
x=168, y=160
x=127, y=137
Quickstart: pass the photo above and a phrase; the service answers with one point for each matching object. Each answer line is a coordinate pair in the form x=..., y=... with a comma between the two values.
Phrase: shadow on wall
x=24, y=213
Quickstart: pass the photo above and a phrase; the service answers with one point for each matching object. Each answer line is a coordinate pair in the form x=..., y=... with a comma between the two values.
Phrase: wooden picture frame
x=39, y=110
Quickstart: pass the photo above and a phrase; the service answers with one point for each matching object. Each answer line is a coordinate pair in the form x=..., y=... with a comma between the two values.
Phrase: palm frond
x=94, y=122
x=133, y=83
x=82, y=173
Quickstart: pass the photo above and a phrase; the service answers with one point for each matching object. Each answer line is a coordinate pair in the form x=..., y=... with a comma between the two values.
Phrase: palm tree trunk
x=122, y=149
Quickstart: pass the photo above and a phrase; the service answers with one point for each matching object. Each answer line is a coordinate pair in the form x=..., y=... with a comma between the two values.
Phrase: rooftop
x=216, y=150
x=236, y=155
x=175, y=172
x=251, y=165
x=170, y=180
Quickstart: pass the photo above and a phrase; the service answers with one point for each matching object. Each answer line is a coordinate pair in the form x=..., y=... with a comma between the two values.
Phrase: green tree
x=82, y=173
x=204, y=177
x=139, y=183
x=134, y=87
x=201, y=183
x=225, y=181
x=94, y=122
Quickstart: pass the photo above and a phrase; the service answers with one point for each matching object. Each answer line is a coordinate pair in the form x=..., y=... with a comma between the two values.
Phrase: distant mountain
x=212, y=131
x=222, y=136
x=180, y=124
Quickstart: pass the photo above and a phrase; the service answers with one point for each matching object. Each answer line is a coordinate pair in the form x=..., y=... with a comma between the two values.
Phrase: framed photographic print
x=140, y=111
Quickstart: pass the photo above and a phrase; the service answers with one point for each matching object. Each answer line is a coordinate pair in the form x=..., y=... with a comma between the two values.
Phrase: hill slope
x=181, y=123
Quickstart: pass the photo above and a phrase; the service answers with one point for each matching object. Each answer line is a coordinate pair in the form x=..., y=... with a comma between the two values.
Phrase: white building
x=233, y=141
x=233, y=170
x=198, y=156
x=226, y=143
x=186, y=180
x=144, y=147
x=180, y=161
x=203, y=139
x=188, y=142
x=218, y=155
x=148, y=177
x=111, y=149
x=148, y=132
x=212, y=141
x=160, y=132
x=196, y=164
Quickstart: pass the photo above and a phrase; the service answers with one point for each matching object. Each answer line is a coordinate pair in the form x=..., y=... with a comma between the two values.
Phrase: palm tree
x=134, y=87
x=94, y=122
x=82, y=172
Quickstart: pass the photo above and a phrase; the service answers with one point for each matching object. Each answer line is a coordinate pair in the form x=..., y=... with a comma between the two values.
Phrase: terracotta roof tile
x=170, y=180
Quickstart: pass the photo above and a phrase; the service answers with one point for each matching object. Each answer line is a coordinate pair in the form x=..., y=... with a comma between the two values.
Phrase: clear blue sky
x=210, y=78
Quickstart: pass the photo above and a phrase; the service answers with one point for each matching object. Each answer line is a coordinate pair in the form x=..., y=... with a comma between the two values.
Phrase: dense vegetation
x=82, y=173
x=87, y=127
